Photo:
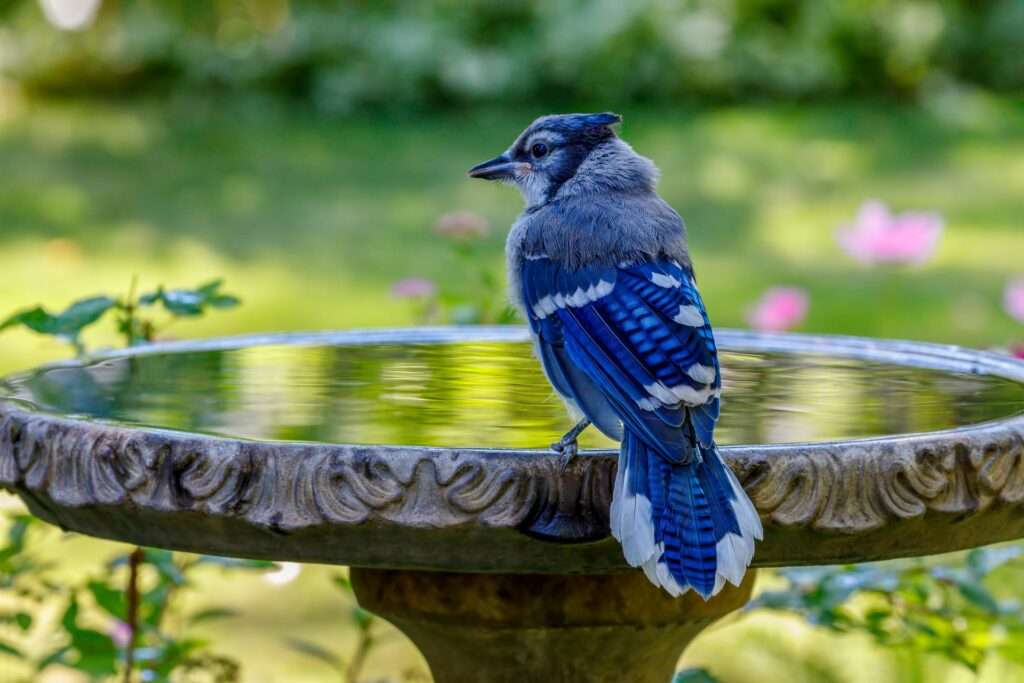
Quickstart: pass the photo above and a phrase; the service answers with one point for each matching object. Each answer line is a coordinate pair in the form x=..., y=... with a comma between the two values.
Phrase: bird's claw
x=568, y=446
x=568, y=450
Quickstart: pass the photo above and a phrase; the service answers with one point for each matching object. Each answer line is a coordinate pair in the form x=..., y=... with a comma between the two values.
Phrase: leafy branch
x=137, y=643
x=135, y=329
x=350, y=669
x=947, y=610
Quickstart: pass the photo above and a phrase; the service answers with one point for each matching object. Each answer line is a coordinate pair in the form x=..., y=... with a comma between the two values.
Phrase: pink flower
x=120, y=633
x=780, y=308
x=880, y=237
x=413, y=288
x=1017, y=351
x=1013, y=298
x=462, y=225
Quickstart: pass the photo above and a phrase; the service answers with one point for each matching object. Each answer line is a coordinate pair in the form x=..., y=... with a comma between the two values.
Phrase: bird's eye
x=539, y=150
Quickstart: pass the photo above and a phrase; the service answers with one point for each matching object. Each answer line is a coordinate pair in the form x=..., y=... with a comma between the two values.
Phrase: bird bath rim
x=509, y=510
x=927, y=355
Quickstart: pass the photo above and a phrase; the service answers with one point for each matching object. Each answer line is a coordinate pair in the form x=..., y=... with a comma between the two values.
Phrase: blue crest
x=605, y=119
x=578, y=122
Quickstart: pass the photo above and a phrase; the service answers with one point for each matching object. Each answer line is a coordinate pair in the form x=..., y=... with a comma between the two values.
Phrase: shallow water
x=489, y=395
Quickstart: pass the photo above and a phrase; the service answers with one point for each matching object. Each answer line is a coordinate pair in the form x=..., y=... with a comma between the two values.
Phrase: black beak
x=495, y=169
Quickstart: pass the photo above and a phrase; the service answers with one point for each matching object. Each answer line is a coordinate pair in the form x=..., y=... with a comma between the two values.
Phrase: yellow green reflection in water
x=489, y=395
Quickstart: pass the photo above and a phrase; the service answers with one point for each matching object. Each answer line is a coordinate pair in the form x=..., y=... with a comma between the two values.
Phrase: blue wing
x=630, y=344
x=633, y=344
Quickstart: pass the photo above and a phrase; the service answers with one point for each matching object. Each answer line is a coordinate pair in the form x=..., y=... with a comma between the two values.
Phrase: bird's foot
x=568, y=446
x=569, y=449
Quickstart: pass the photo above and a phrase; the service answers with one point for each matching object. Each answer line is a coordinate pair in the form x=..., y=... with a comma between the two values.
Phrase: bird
x=598, y=264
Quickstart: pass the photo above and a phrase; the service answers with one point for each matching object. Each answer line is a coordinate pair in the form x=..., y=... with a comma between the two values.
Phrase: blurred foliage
x=395, y=54
x=314, y=220
x=69, y=324
x=350, y=669
x=137, y=640
x=945, y=609
x=103, y=631
x=481, y=301
x=324, y=209
x=486, y=300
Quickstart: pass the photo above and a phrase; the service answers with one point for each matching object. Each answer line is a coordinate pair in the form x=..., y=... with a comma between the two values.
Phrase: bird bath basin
x=419, y=458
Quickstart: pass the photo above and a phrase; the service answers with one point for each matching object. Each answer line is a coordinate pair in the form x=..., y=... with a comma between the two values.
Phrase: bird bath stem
x=534, y=628
x=464, y=533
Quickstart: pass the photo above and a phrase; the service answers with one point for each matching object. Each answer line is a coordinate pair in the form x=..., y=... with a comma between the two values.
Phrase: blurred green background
x=305, y=150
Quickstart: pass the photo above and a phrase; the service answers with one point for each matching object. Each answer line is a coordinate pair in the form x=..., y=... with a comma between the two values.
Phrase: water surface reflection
x=489, y=395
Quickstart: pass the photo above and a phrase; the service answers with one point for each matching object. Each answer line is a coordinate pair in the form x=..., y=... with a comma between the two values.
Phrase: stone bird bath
x=419, y=458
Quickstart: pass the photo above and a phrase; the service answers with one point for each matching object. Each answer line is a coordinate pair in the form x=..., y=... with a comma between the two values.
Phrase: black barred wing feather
x=630, y=343
x=633, y=347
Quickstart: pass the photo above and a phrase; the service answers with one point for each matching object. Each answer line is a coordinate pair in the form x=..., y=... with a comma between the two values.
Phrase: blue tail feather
x=700, y=532
x=688, y=531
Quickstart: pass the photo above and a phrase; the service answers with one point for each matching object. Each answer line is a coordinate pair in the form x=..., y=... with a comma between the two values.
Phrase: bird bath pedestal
x=418, y=458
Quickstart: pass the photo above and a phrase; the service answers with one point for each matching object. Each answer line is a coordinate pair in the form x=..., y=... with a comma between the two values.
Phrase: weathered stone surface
x=511, y=511
x=528, y=628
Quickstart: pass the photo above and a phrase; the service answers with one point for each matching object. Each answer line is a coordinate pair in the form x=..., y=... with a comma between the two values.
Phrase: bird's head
x=552, y=151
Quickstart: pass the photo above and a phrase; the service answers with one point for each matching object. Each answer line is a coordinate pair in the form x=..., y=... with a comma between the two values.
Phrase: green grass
x=311, y=220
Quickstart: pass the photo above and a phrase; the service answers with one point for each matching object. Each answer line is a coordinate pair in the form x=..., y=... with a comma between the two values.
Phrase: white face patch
x=533, y=186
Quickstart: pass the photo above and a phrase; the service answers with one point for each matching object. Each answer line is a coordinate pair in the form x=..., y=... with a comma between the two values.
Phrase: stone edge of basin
x=511, y=510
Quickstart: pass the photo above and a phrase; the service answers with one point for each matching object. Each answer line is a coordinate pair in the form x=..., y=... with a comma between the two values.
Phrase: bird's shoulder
x=601, y=229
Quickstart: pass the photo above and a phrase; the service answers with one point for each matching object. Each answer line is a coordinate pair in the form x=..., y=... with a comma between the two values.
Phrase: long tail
x=688, y=526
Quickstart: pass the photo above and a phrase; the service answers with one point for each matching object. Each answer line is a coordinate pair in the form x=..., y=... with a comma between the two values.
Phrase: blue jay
x=598, y=264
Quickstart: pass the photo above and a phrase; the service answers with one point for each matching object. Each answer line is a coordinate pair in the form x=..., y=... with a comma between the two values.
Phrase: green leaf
x=70, y=619
x=83, y=313
x=55, y=657
x=315, y=651
x=19, y=527
x=344, y=584
x=97, y=654
x=183, y=302
x=152, y=603
x=210, y=288
x=152, y=297
x=224, y=301
x=978, y=595
x=7, y=649
x=68, y=324
x=363, y=619
x=983, y=561
x=24, y=620
x=16, y=543
x=90, y=641
x=171, y=655
x=110, y=599
x=694, y=676
x=214, y=613
x=34, y=318
x=163, y=561
x=186, y=303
